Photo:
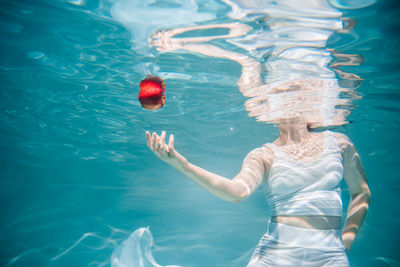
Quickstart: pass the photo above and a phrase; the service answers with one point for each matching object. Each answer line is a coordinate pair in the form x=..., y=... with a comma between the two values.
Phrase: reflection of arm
x=356, y=180
x=250, y=80
x=235, y=30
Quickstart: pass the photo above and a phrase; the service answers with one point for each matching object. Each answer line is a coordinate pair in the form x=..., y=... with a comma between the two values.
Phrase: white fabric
x=136, y=251
x=306, y=188
x=288, y=246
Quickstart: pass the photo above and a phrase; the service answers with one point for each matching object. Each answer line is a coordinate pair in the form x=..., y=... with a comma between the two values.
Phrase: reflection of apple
x=151, y=94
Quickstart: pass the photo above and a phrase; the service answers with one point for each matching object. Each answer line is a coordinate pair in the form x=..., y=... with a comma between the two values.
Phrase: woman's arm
x=235, y=190
x=360, y=194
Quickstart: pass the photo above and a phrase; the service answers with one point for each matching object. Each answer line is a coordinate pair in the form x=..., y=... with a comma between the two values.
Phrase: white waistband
x=305, y=237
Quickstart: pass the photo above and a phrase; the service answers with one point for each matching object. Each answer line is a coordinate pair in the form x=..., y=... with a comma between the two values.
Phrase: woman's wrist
x=182, y=167
x=347, y=240
x=181, y=163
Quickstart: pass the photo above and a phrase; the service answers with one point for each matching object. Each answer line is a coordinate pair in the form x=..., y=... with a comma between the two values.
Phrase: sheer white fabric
x=135, y=251
x=288, y=246
x=254, y=167
x=306, y=188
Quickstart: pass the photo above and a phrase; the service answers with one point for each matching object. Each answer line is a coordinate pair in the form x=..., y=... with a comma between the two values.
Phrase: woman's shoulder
x=342, y=140
x=268, y=148
x=264, y=149
x=264, y=153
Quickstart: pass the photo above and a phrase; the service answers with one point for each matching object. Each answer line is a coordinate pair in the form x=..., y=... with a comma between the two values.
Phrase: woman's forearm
x=219, y=186
x=357, y=210
x=230, y=190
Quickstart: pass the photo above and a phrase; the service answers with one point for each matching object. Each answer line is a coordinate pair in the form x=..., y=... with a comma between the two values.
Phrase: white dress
x=296, y=188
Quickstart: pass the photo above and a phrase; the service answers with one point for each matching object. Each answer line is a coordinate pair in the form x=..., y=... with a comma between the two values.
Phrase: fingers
x=157, y=143
x=148, y=139
x=162, y=138
x=163, y=145
x=161, y=148
x=154, y=141
x=171, y=145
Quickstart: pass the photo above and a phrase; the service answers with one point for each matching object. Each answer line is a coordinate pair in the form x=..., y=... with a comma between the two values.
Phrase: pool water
x=76, y=176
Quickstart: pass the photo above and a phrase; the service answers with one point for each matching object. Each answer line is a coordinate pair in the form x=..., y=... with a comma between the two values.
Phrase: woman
x=300, y=173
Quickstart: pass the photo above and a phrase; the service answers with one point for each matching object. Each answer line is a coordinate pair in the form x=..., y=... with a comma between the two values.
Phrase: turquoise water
x=77, y=178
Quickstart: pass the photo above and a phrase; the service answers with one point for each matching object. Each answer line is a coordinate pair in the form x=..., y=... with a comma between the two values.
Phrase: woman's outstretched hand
x=166, y=152
x=233, y=190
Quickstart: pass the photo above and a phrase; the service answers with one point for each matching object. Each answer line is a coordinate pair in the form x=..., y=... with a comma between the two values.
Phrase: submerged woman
x=300, y=174
x=301, y=171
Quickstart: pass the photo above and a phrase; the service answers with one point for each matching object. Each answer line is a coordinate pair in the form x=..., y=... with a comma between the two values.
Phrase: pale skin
x=256, y=166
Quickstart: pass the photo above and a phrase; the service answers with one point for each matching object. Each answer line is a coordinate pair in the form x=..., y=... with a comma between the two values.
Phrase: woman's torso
x=303, y=184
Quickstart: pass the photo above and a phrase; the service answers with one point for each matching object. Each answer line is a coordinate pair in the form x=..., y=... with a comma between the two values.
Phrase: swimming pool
x=77, y=178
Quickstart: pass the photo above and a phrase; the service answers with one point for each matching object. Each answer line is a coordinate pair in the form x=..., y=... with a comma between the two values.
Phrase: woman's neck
x=292, y=131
